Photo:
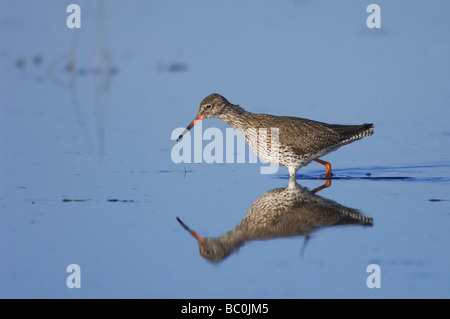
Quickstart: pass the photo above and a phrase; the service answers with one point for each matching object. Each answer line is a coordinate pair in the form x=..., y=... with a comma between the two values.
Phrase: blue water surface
x=87, y=177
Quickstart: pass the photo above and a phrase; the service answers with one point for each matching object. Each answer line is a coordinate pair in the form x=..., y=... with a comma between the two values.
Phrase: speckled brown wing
x=305, y=136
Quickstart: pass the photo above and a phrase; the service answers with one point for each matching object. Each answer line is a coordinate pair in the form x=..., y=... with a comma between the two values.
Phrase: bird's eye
x=208, y=106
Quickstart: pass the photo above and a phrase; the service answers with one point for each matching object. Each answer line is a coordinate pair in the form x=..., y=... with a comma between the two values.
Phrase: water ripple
x=429, y=172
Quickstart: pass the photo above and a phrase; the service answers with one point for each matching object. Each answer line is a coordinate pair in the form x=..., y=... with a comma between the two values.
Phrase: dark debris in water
x=37, y=59
x=387, y=177
x=114, y=200
x=20, y=63
x=111, y=200
x=66, y=200
x=173, y=67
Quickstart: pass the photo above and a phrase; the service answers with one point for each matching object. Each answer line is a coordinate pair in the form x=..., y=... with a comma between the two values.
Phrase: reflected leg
x=327, y=184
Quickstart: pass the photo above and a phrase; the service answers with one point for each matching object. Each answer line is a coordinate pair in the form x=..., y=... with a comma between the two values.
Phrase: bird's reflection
x=281, y=212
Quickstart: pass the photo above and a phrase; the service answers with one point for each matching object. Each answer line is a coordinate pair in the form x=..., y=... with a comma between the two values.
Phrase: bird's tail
x=350, y=133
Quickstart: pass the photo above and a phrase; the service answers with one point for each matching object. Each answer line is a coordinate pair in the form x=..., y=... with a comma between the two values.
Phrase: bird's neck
x=235, y=116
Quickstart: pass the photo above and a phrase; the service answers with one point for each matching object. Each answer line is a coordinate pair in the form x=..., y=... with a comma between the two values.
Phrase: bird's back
x=299, y=138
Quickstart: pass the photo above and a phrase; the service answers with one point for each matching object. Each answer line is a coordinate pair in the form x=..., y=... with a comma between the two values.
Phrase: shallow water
x=87, y=176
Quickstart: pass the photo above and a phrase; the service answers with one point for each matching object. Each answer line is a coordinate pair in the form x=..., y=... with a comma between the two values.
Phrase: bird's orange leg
x=327, y=184
x=328, y=173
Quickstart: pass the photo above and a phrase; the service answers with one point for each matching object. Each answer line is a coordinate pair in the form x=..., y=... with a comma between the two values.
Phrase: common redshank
x=298, y=141
x=282, y=212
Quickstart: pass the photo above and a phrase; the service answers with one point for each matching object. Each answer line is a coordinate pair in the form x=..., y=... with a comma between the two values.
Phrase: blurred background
x=86, y=117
